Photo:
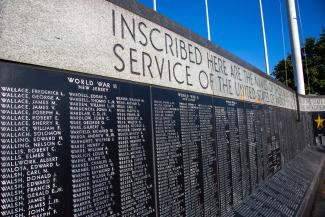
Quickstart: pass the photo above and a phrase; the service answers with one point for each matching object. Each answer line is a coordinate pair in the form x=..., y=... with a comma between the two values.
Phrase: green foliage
x=315, y=62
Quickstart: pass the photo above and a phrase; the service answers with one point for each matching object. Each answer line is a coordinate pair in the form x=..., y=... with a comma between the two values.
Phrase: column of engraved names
x=268, y=142
x=282, y=132
x=35, y=131
x=92, y=137
x=272, y=156
x=169, y=159
x=15, y=139
x=310, y=136
x=242, y=126
x=236, y=174
x=276, y=152
x=135, y=184
x=260, y=148
x=310, y=127
x=190, y=137
x=44, y=195
x=209, y=160
x=291, y=132
x=303, y=141
x=250, y=117
x=264, y=139
x=288, y=127
x=224, y=159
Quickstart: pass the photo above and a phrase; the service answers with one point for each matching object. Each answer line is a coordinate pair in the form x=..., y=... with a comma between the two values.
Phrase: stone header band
x=114, y=42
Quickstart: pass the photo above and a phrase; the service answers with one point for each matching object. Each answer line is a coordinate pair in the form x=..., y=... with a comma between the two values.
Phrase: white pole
x=208, y=20
x=154, y=5
x=266, y=56
x=295, y=47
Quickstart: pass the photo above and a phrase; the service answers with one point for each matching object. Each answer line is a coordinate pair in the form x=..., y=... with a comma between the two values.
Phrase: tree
x=313, y=57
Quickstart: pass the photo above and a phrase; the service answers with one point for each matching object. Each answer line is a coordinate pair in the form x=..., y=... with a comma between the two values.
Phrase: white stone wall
x=87, y=36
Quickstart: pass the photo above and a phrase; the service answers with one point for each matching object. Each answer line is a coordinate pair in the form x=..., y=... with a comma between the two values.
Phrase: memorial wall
x=316, y=105
x=81, y=145
x=109, y=109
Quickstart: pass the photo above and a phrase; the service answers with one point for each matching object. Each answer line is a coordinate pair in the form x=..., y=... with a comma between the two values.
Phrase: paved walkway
x=287, y=193
x=319, y=206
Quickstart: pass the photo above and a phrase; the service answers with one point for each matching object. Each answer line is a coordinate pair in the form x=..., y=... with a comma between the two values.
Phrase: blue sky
x=236, y=24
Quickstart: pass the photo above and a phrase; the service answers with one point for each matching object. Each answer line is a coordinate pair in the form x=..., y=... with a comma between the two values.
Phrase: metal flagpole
x=264, y=39
x=208, y=20
x=154, y=5
x=295, y=47
x=283, y=43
